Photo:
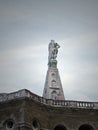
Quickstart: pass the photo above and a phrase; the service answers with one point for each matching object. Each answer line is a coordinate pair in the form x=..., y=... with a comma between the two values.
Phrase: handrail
x=55, y=103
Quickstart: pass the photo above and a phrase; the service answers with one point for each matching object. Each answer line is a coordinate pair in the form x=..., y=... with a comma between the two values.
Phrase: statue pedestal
x=53, y=87
x=53, y=63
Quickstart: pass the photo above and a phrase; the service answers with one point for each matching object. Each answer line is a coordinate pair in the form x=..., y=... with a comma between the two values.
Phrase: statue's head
x=52, y=41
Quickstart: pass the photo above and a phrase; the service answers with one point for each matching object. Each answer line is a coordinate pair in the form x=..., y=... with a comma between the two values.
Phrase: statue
x=53, y=51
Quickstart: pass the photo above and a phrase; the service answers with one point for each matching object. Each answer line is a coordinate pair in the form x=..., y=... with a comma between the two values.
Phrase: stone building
x=24, y=110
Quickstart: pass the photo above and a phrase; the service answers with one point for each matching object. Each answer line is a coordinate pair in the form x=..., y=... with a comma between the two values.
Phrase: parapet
x=24, y=93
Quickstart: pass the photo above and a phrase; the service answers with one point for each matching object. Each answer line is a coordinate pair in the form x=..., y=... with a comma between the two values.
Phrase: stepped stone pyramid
x=53, y=87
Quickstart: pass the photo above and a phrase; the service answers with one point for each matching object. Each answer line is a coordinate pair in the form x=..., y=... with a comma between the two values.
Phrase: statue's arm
x=58, y=45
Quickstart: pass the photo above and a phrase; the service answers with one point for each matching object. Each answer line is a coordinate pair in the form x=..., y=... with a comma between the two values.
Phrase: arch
x=60, y=127
x=35, y=124
x=53, y=83
x=53, y=74
x=53, y=95
x=86, y=127
x=9, y=124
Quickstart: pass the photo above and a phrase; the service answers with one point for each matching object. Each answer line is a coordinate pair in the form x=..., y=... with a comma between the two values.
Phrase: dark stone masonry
x=23, y=110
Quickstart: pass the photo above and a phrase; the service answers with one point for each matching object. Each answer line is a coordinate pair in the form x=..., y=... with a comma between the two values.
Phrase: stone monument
x=24, y=110
x=53, y=87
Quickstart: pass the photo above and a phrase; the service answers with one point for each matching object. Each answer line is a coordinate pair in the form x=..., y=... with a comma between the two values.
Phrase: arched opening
x=60, y=127
x=54, y=95
x=86, y=127
x=53, y=74
x=53, y=83
x=35, y=124
x=9, y=124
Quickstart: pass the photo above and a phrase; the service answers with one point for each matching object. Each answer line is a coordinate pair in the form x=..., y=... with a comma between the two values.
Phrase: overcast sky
x=27, y=27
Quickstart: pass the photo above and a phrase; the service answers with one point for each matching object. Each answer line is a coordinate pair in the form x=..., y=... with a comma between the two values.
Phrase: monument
x=53, y=87
x=24, y=110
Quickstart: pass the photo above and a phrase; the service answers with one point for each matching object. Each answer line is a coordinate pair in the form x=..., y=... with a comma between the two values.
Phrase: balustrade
x=56, y=103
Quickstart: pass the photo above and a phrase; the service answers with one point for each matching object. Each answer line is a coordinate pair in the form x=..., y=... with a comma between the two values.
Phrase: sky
x=27, y=27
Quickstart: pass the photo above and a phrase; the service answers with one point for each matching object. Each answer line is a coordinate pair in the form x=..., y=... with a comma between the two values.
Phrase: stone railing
x=11, y=96
x=56, y=103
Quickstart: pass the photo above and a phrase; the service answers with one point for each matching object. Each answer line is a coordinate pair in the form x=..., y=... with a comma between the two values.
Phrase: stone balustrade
x=11, y=96
x=56, y=103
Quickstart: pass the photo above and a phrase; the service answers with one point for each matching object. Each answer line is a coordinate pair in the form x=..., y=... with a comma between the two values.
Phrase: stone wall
x=49, y=117
x=11, y=114
x=31, y=112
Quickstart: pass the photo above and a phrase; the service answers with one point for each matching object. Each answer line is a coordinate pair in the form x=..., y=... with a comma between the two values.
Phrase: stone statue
x=53, y=51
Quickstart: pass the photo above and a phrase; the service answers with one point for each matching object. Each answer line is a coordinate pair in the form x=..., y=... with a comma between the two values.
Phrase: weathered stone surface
x=53, y=87
x=27, y=114
x=11, y=110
